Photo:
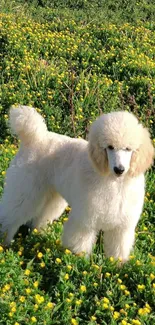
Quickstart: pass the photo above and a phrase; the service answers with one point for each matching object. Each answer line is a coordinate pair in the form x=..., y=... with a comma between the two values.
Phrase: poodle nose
x=119, y=170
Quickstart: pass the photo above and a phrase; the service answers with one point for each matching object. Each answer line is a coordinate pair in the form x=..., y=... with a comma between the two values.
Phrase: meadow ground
x=73, y=62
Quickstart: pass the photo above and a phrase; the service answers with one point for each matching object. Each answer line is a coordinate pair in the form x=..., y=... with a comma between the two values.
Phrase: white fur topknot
x=51, y=171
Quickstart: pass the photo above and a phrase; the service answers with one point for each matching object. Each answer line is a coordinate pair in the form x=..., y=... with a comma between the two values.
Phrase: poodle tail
x=27, y=124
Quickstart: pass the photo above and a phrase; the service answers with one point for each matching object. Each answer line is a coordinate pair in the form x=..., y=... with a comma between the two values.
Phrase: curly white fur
x=51, y=171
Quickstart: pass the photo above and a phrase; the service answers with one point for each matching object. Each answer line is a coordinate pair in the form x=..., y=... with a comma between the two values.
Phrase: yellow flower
x=66, y=277
x=123, y=322
x=67, y=251
x=122, y=287
x=107, y=275
x=1, y=249
x=126, y=292
x=33, y=319
x=39, y=255
x=147, y=306
x=13, y=309
x=68, y=300
x=50, y=305
x=122, y=311
x=26, y=282
x=140, y=287
x=152, y=276
x=105, y=306
x=35, y=230
x=16, y=323
x=96, y=266
x=78, y=302
x=22, y=299
x=28, y=291
x=3, y=173
x=95, y=284
x=144, y=311
x=35, y=284
x=6, y=287
x=136, y=322
x=84, y=272
x=42, y=264
x=65, y=219
x=131, y=257
x=69, y=267
x=106, y=300
x=116, y=315
x=111, y=259
x=2, y=261
x=12, y=304
x=93, y=318
x=83, y=288
x=119, y=281
x=127, y=306
x=58, y=260
x=39, y=299
x=74, y=321
x=27, y=272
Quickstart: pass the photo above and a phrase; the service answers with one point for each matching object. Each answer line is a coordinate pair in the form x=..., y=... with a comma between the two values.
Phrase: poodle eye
x=110, y=147
x=128, y=149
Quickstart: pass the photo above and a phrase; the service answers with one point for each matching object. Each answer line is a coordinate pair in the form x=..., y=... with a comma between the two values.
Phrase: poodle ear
x=142, y=158
x=99, y=157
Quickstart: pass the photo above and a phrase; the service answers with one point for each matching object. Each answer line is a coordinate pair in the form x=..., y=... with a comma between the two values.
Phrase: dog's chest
x=113, y=205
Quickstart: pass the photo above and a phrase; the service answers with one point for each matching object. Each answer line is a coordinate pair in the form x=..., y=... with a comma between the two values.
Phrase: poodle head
x=118, y=144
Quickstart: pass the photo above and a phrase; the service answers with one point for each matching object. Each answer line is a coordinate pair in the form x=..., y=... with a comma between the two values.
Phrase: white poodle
x=102, y=180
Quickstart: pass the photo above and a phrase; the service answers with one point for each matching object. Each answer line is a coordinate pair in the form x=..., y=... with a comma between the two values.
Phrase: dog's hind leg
x=21, y=201
x=53, y=209
x=15, y=216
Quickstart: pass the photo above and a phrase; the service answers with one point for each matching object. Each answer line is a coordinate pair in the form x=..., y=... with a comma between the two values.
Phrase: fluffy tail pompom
x=27, y=124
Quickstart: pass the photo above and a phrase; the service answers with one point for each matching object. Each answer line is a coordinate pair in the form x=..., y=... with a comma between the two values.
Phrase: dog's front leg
x=118, y=242
x=78, y=237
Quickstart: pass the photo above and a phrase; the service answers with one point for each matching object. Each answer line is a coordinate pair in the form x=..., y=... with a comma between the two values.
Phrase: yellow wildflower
x=28, y=291
x=27, y=272
x=106, y=300
x=83, y=288
x=42, y=264
x=140, y=287
x=136, y=322
x=40, y=255
x=35, y=284
x=74, y=321
x=39, y=299
x=67, y=251
x=66, y=277
x=116, y=315
x=93, y=318
x=1, y=249
x=50, y=305
x=78, y=302
x=33, y=319
x=58, y=260
x=22, y=299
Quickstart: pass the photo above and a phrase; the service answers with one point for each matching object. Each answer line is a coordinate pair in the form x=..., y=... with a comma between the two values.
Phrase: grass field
x=73, y=60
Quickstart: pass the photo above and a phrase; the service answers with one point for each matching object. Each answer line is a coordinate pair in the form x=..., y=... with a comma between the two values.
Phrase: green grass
x=73, y=60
